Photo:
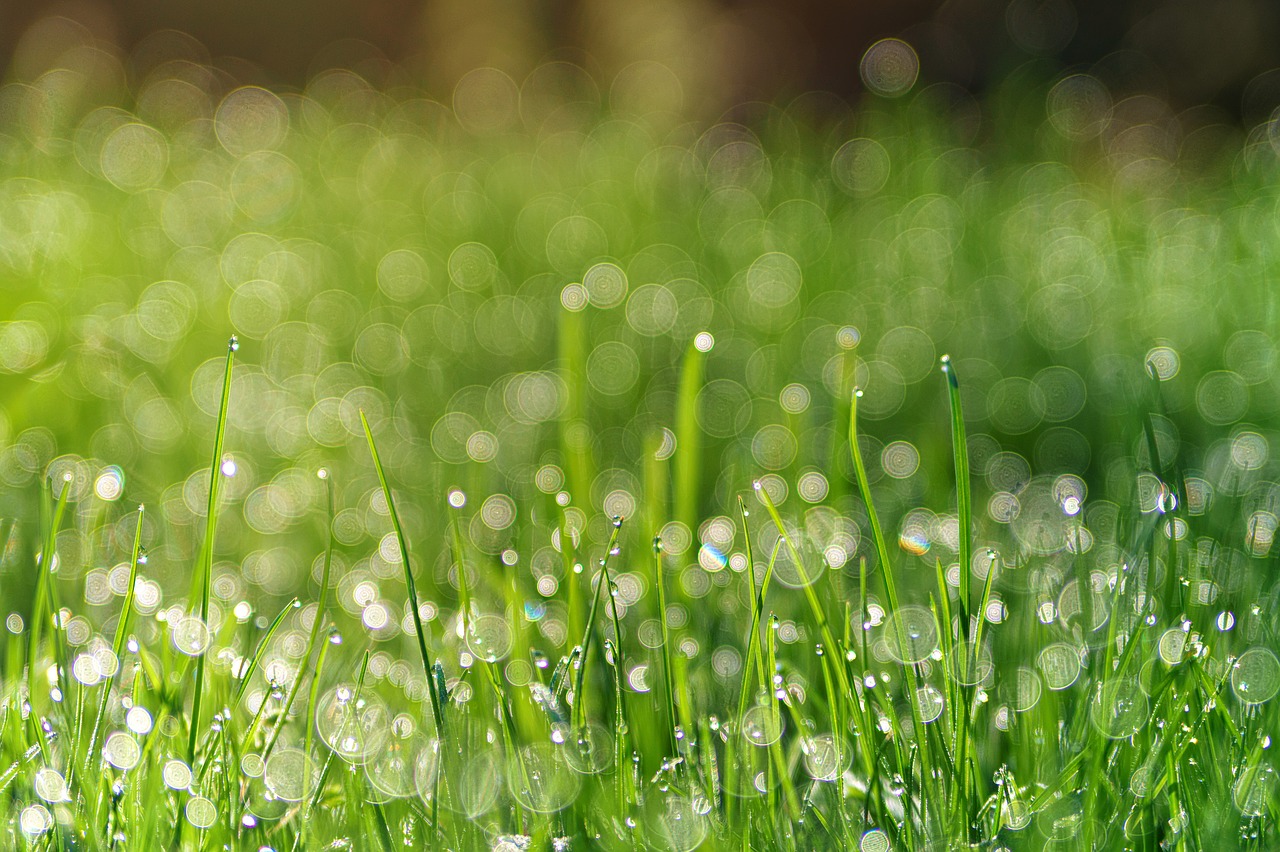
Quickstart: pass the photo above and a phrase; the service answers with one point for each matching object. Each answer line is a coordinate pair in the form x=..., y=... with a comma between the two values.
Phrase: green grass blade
x=122, y=633
x=316, y=626
x=873, y=518
x=964, y=500
x=324, y=771
x=203, y=578
x=688, y=457
x=815, y=605
x=410, y=584
x=659, y=583
x=252, y=667
x=45, y=606
x=579, y=697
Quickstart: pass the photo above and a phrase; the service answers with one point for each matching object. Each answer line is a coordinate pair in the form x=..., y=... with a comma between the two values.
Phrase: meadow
x=537, y=468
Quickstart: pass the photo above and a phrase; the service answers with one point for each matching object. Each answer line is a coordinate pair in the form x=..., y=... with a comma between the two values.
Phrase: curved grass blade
x=328, y=762
x=890, y=584
x=313, y=698
x=122, y=632
x=579, y=703
x=316, y=626
x=815, y=605
x=45, y=605
x=873, y=518
x=410, y=585
x=253, y=667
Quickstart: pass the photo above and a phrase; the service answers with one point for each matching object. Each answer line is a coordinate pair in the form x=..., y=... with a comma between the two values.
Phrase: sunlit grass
x=1079, y=721
x=597, y=480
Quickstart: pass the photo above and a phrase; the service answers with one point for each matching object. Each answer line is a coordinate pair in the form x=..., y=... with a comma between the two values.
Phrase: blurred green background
x=502, y=257
x=584, y=260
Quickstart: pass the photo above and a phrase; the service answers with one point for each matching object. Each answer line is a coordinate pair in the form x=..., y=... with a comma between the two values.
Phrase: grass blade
x=579, y=697
x=688, y=432
x=864, y=490
x=660, y=583
x=964, y=500
x=252, y=667
x=122, y=633
x=203, y=578
x=45, y=604
x=410, y=585
x=316, y=626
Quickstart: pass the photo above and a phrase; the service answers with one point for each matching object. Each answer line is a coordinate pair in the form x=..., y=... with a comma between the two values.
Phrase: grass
x=597, y=482
x=826, y=755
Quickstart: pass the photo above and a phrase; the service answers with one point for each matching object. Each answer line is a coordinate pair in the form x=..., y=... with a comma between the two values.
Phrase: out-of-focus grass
x=699, y=549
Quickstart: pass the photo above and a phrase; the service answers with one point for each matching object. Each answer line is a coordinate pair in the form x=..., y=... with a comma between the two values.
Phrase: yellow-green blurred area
x=517, y=303
x=505, y=275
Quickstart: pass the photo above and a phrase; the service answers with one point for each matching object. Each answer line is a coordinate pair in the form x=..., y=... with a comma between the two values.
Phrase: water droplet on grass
x=50, y=785
x=191, y=636
x=1060, y=665
x=489, y=637
x=138, y=720
x=176, y=774
x=354, y=730
x=35, y=820
x=874, y=840
x=930, y=701
x=121, y=751
x=1255, y=677
x=201, y=812
x=110, y=484
x=1254, y=789
x=290, y=774
x=1119, y=709
x=762, y=725
x=1162, y=363
x=252, y=765
x=911, y=634
x=589, y=750
x=540, y=781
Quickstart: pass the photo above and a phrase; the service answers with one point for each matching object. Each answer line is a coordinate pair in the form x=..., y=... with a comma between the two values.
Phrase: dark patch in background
x=1186, y=51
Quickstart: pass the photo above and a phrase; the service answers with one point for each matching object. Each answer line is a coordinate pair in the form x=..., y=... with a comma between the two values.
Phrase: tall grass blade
x=660, y=584
x=964, y=500
x=410, y=584
x=203, y=578
x=45, y=607
x=579, y=697
x=122, y=634
x=688, y=456
x=256, y=660
x=316, y=626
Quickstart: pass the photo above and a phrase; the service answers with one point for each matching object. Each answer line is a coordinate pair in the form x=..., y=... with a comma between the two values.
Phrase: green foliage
x=706, y=552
